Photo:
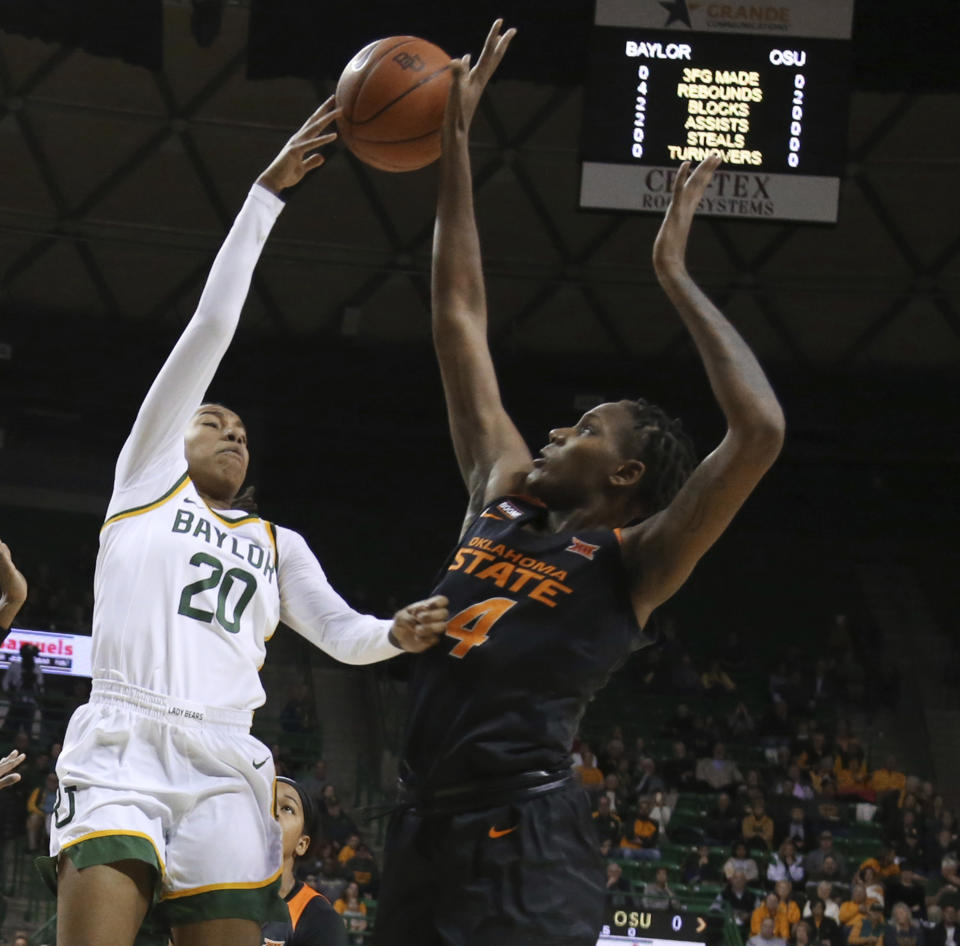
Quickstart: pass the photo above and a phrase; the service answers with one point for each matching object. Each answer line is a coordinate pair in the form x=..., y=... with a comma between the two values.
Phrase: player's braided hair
x=665, y=449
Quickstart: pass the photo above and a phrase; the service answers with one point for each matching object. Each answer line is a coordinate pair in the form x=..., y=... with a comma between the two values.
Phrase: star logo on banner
x=676, y=10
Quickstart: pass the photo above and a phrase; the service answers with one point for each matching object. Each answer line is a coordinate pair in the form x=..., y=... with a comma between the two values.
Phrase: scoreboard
x=629, y=926
x=764, y=85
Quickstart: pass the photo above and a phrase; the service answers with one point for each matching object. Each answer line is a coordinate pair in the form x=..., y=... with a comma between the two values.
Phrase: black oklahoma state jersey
x=538, y=622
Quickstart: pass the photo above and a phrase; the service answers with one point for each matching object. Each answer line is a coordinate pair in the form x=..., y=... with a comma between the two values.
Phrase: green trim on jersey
x=233, y=522
x=146, y=507
x=261, y=904
x=105, y=849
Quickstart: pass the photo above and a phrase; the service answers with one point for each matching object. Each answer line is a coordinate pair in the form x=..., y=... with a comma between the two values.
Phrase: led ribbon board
x=766, y=85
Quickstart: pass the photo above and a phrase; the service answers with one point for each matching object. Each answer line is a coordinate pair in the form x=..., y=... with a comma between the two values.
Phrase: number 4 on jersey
x=472, y=625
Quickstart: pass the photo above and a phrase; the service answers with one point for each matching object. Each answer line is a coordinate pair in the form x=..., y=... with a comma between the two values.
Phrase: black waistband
x=486, y=793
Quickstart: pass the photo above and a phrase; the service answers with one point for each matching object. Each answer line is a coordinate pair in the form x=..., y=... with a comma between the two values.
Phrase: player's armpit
x=662, y=551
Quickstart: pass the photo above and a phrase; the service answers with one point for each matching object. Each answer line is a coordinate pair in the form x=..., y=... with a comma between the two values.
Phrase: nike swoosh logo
x=260, y=765
x=495, y=833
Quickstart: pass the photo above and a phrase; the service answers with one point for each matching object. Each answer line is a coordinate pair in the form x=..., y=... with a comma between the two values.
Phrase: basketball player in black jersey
x=561, y=562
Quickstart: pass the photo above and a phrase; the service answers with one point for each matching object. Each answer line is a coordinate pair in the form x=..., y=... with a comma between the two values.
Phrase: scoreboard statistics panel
x=634, y=926
x=764, y=86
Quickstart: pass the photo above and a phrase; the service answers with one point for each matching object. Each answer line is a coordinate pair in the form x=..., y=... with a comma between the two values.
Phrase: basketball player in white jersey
x=13, y=593
x=165, y=797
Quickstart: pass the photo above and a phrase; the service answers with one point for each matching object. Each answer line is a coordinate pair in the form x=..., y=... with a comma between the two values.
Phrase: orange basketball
x=393, y=93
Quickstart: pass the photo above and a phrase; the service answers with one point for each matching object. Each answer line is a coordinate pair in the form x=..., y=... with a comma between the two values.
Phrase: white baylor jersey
x=187, y=596
x=186, y=599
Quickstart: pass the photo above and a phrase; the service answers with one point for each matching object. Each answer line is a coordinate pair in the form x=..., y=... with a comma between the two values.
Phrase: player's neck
x=213, y=502
x=587, y=517
x=287, y=880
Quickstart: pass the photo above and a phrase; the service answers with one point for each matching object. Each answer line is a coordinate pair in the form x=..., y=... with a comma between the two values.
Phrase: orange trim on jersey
x=114, y=833
x=618, y=534
x=298, y=903
x=490, y=515
x=210, y=888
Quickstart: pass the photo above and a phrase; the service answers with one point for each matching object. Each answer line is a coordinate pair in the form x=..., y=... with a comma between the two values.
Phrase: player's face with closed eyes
x=215, y=447
x=578, y=462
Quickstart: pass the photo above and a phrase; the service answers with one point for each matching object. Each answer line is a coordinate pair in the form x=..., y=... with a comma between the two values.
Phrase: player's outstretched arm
x=490, y=451
x=190, y=367
x=13, y=591
x=664, y=549
x=309, y=604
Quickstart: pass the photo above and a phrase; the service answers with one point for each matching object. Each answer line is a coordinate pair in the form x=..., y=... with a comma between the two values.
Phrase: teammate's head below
x=295, y=814
x=215, y=448
x=629, y=456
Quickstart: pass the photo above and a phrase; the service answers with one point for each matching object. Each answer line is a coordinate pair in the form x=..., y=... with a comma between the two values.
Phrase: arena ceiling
x=117, y=184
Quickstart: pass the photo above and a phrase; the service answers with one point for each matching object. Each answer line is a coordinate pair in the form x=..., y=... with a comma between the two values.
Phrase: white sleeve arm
x=178, y=390
x=314, y=610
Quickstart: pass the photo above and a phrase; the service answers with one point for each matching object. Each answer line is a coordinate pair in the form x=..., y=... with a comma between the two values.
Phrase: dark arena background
x=129, y=135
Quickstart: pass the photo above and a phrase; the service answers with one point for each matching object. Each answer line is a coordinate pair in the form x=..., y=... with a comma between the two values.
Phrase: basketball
x=393, y=93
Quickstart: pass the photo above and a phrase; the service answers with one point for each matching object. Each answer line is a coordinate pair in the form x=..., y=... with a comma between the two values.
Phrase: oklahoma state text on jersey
x=538, y=623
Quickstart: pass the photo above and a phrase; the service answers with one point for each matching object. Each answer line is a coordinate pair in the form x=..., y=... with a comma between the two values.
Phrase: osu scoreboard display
x=626, y=926
x=766, y=85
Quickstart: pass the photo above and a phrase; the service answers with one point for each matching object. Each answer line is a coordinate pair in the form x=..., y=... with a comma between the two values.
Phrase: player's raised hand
x=299, y=155
x=670, y=246
x=468, y=84
x=7, y=764
x=419, y=626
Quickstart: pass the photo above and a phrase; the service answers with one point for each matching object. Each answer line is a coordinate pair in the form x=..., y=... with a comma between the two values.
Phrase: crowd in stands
x=761, y=803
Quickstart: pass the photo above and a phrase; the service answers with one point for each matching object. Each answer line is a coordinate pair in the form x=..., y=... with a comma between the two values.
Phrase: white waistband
x=170, y=708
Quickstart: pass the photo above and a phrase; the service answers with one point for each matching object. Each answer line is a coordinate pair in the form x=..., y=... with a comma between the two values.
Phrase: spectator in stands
x=868, y=877
x=741, y=899
x=946, y=932
x=588, y=771
x=810, y=759
x=362, y=869
x=699, y=870
x=354, y=913
x=831, y=907
x=902, y=930
x=785, y=865
x=850, y=769
x=297, y=715
x=681, y=724
x=884, y=864
x=330, y=880
x=766, y=936
x=20, y=938
x=609, y=760
x=905, y=889
x=798, y=829
x=614, y=791
x=770, y=909
x=315, y=780
x=348, y=849
x=685, y=678
x=616, y=882
x=715, y=680
x=788, y=902
x=657, y=894
x=867, y=929
x=888, y=781
x=945, y=845
x=679, y=771
x=943, y=889
x=825, y=929
x=776, y=727
x=718, y=772
x=722, y=825
x=40, y=805
x=857, y=906
x=337, y=825
x=647, y=782
x=741, y=860
x=740, y=722
x=641, y=843
x=802, y=935
x=660, y=812
x=23, y=684
x=758, y=826
x=608, y=824
x=814, y=860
